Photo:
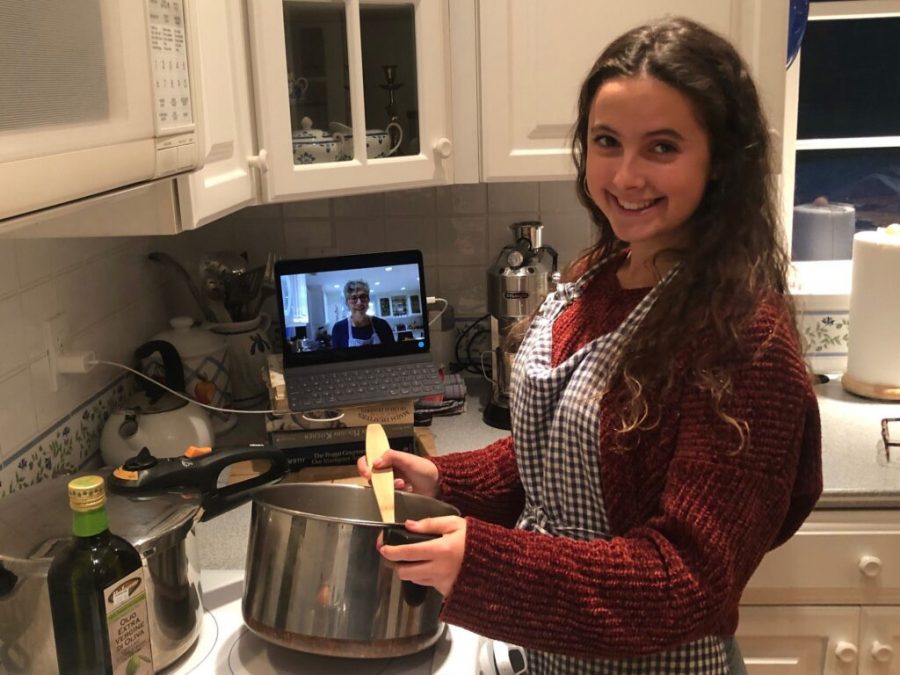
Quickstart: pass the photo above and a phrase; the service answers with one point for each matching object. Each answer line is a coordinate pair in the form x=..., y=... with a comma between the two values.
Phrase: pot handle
x=397, y=535
x=220, y=500
x=144, y=475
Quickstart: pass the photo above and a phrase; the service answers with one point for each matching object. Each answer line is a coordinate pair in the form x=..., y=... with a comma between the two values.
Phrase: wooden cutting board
x=382, y=481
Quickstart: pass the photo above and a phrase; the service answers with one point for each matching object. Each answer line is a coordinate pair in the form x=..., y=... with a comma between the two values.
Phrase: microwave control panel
x=176, y=147
x=171, y=77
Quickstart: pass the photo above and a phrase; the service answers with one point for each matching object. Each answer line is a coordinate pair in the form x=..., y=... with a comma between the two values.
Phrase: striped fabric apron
x=555, y=414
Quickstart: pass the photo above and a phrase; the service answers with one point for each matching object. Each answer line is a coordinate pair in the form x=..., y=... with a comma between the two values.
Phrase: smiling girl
x=665, y=435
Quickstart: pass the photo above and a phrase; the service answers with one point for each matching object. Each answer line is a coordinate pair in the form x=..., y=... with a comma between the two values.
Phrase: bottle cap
x=87, y=493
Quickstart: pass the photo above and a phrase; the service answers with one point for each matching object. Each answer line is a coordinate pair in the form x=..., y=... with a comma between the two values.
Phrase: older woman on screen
x=360, y=329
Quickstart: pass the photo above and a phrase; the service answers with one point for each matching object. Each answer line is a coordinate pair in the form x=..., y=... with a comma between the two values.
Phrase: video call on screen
x=382, y=306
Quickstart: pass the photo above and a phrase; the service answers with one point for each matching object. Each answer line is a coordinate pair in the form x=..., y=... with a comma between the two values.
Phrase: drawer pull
x=870, y=565
x=845, y=651
x=882, y=652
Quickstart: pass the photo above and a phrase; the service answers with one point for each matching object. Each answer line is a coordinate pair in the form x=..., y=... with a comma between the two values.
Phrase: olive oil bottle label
x=129, y=629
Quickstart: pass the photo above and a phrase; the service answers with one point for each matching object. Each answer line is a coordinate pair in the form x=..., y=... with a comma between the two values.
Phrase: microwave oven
x=94, y=95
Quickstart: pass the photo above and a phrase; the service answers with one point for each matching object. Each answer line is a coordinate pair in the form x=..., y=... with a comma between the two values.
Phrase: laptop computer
x=355, y=329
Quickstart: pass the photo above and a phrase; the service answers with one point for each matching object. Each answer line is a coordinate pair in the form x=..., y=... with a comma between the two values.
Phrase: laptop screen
x=352, y=307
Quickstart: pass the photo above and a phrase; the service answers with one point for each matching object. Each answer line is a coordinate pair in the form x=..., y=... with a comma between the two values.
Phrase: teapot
x=155, y=419
x=378, y=141
x=314, y=146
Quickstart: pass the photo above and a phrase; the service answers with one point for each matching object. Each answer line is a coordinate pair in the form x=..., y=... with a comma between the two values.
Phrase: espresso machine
x=517, y=283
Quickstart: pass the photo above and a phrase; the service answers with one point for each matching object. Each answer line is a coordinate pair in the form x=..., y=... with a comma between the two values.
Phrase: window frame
x=826, y=276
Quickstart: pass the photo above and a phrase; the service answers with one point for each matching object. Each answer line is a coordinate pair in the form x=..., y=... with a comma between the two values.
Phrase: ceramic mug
x=248, y=350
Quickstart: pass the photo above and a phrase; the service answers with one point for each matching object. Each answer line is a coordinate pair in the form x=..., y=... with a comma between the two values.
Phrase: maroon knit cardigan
x=691, y=519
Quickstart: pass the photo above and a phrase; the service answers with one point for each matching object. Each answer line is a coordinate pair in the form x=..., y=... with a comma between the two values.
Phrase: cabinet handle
x=260, y=161
x=870, y=565
x=845, y=651
x=882, y=652
x=443, y=147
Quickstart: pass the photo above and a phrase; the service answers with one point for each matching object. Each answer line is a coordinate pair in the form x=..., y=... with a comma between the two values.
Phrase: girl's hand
x=411, y=472
x=431, y=563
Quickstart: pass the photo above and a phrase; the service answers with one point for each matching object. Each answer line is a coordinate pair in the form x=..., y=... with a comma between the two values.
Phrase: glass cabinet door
x=346, y=90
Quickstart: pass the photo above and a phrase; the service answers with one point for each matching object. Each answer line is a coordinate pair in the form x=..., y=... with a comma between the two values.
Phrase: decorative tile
x=68, y=446
x=825, y=335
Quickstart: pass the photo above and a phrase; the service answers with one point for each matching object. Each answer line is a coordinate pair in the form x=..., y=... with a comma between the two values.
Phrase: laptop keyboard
x=363, y=385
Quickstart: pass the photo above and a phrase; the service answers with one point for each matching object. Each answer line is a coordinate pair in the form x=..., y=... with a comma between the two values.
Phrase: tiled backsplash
x=115, y=298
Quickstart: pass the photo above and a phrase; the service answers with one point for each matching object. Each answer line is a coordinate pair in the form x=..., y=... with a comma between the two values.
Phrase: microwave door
x=78, y=108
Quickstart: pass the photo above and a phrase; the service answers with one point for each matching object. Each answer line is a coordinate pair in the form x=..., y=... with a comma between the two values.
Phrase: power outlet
x=56, y=335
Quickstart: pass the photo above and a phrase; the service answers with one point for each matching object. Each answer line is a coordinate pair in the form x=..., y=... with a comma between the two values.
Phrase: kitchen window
x=846, y=84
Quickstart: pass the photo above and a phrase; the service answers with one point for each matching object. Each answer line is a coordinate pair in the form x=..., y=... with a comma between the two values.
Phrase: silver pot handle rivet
x=845, y=651
x=882, y=652
x=870, y=565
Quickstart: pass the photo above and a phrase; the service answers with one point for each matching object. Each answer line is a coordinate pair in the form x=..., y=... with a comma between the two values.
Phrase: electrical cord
x=179, y=394
x=469, y=364
x=437, y=316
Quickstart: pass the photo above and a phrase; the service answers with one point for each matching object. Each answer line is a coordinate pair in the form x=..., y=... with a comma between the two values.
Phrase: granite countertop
x=856, y=473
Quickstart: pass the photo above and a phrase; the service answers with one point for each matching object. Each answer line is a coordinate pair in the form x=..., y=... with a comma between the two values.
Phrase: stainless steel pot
x=315, y=582
x=35, y=521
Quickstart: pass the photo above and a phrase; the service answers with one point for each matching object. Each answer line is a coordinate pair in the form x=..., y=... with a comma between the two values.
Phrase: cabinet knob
x=870, y=565
x=845, y=651
x=443, y=147
x=882, y=652
x=260, y=161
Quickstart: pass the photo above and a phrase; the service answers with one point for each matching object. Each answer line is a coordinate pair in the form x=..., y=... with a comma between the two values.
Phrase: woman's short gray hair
x=355, y=285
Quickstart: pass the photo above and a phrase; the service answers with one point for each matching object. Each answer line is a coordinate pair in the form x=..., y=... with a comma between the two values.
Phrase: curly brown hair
x=735, y=254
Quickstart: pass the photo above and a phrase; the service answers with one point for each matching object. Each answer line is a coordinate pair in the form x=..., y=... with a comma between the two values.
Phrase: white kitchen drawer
x=846, y=557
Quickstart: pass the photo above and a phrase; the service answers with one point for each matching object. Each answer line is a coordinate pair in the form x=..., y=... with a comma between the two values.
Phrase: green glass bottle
x=98, y=600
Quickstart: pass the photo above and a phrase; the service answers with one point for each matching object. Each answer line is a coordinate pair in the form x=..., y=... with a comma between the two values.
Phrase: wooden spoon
x=383, y=479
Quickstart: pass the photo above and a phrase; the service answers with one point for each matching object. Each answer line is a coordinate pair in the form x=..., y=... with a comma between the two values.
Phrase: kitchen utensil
x=267, y=287
x=248, y=350
x=382, y=479
x=315, y=544
x=153, y=418
x=175, y=266
x=242, y=289
x=34, y=521
x=207, y=369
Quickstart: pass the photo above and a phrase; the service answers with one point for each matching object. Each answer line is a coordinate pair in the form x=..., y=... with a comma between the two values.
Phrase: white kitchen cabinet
x=326, y=61
x=799, y=640
x=534, y=55
x=827, y=601
x=879, y=640
x=226, y=182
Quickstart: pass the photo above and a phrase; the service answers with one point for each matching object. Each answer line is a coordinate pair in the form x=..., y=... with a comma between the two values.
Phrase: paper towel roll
x=873, y=347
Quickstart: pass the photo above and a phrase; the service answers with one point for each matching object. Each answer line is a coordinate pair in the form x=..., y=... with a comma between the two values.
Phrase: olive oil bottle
x=98, y=600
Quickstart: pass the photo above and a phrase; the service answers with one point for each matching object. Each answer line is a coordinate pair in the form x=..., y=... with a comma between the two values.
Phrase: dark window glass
x=850, y=79
x=867, y=179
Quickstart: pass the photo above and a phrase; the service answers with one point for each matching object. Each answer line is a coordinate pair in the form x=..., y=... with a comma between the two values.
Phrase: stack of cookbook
x=331, y=437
